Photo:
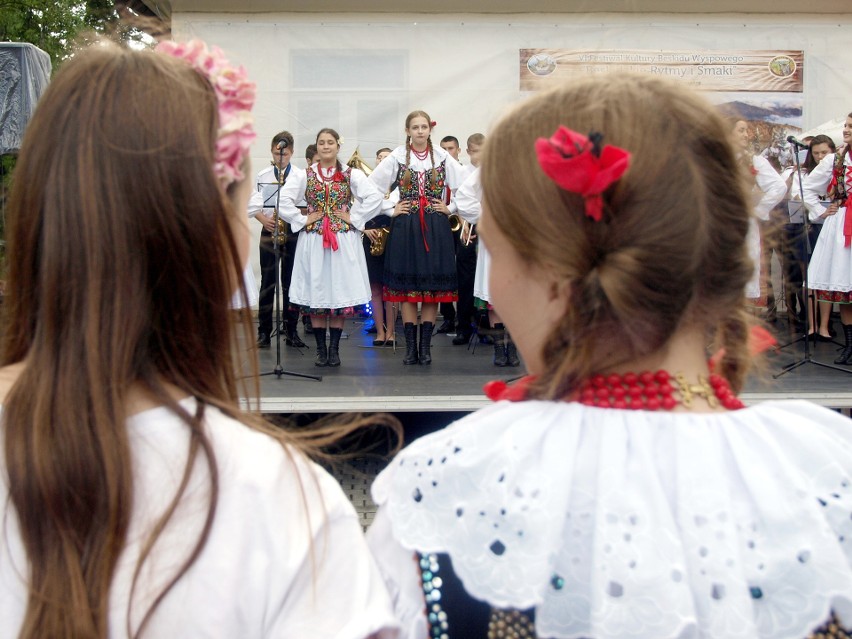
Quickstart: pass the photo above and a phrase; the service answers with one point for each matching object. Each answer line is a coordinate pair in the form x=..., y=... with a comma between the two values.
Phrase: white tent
x=832, y=128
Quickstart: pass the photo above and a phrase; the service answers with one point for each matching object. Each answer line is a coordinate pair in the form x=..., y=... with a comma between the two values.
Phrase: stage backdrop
x=362, y=73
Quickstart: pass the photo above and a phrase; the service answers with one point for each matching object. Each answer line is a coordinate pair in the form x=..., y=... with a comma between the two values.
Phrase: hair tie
x=235, y=97
x=579, y=165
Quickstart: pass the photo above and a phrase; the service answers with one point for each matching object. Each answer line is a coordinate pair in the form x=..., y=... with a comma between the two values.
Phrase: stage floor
x=374, y=378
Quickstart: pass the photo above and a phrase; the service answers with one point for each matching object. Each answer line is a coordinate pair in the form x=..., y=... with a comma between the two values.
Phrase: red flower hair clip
x=497, y=390
x=578, y=164
x=433, y=124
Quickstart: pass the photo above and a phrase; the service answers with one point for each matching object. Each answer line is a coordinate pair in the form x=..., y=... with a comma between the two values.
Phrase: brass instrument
x=357, y=162
x=377, y=245
x=464, y=228
x=282, y=228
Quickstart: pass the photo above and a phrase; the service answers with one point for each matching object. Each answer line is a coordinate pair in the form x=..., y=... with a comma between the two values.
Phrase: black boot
x=410, y=344
x=334, y=346
x=426, y=342
x=845, y=356
x=500, y=358
x=511, y=352
x=322, y=351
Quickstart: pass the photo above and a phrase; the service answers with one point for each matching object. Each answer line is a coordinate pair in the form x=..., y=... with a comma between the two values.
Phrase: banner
x=764, y=88
x=737, y=70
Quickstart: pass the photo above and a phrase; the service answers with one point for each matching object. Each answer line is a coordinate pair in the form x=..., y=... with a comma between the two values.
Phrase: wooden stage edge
x=469, y=403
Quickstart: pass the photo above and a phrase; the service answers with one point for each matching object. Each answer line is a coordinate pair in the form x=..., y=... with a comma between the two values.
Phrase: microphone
x=792, y=140
x=282, y=145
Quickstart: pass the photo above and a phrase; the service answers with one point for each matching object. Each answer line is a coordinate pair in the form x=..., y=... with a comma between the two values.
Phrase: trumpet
x=282, y=229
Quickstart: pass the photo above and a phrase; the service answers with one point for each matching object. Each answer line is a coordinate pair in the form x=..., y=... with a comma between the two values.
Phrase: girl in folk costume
x=420, y=262
x=830, y=271
x=138, y=500
x=330, y=274
x=767, y=190
x=469, y=203
x=623, y=491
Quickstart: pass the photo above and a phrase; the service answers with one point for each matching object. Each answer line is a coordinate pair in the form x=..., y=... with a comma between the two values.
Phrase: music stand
x=279, y=371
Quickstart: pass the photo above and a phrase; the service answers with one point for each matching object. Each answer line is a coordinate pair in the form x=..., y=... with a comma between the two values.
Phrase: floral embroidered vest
x=328, y=197
x=433, y=182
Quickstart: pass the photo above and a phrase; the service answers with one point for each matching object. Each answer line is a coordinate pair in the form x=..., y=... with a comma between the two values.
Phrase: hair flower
x=497, y=390
x=433, y=124
x=578, y=164
x=235, y=95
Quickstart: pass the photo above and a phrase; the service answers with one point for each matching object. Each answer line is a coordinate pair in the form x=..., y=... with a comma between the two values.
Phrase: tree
x=54, y=25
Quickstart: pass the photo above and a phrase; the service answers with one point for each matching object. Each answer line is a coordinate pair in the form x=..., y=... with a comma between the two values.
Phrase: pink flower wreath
x=235, y=94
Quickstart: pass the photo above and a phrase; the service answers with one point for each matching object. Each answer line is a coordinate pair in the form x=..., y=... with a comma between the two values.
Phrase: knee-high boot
x=426, y=342
x=334, y=346
x=322, y=350
x=500, y=346
x=410, y=344
x=511, y=351
x=845, y=356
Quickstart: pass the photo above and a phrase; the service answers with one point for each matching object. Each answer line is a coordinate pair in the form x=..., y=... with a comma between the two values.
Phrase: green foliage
x=55, y=25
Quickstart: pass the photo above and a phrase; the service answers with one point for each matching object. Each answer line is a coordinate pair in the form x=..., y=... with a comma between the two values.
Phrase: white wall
x=366, y=72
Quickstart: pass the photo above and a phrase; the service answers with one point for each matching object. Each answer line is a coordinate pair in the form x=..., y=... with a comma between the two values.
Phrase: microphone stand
x=278, y=371
x=807, y=358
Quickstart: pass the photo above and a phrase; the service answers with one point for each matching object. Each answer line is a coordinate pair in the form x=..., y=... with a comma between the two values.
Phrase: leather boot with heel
x=410, y=344
x=334, y=346
x=500, y=346
x=511, y=352
x=322, y=349
x=845, y=356
x=426, y=342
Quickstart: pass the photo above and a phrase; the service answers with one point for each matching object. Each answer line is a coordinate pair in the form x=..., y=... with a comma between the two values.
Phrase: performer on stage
x=767, y=190
x=830, y=272
x=261, y=207
x=469, y=203
x=375, y=238
x=330, y=275
x=450, y=144
x=420, y=253
x=623, y=490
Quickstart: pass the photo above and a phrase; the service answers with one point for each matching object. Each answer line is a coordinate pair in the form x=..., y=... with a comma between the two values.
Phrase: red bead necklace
x=326, y=177
x=420, y=155
x=655, y=391
x=643, y=391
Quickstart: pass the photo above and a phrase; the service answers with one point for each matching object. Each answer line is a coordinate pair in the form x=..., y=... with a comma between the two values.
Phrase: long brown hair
x=123, y=261
x=670, y=250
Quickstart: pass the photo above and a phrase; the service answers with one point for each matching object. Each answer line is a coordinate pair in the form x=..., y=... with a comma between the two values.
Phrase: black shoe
x=500, y=358
x=263, y=340
x=293, y=340
x=485, y=339
x=446, y=327
x=461, y=339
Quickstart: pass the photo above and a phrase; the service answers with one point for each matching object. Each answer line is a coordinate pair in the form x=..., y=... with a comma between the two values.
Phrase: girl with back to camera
x=138, y=500
x=622, y=490
x=420, y=259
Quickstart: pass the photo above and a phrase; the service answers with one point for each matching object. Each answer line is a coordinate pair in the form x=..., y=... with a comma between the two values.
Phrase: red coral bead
x=669, y=403
x=646, y=377
x=630, y=379
x=662, y=376
x=653, y=403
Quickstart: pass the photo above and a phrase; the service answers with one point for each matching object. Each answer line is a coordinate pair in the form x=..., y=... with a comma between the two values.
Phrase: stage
x=373, y=379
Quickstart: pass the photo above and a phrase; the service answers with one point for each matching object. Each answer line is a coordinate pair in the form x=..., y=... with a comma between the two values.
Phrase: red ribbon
x=329, y=237
x=578, y=164
x=423, y=202
x=847, y=224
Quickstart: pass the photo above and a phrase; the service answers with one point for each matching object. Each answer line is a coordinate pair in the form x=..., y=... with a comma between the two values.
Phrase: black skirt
x=413, y=272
